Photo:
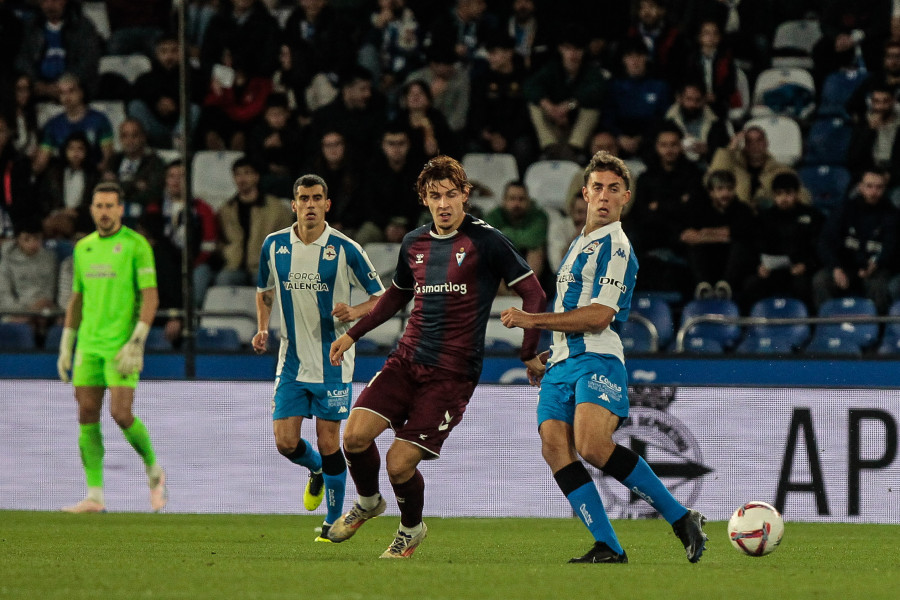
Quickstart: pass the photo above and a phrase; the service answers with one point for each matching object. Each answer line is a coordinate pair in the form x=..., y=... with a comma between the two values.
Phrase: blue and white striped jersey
x=599, y=268
x=309, y=281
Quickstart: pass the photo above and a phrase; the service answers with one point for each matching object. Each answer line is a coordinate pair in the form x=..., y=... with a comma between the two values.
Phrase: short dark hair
x=244, y=161
x=515, y=183
x=604, y=161
x=786, y=182
x=721, y=178
x=669, y=126
x=310, y=180
x=108, y=187
x=30, y=224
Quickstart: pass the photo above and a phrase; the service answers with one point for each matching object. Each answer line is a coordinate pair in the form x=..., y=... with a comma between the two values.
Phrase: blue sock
x=644, y=482
x=578, y=487
x=305, y=456
x=335, y=486
x=589, y=507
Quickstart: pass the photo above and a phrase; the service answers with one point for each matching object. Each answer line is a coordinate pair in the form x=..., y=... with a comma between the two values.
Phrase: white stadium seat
x=211, y=176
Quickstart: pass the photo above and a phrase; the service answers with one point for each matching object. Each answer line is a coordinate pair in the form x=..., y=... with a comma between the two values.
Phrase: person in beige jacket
x=244, y=222
x=748, y=158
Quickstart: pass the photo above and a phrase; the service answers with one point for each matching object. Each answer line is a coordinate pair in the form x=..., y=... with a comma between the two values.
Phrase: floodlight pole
x=187, y=257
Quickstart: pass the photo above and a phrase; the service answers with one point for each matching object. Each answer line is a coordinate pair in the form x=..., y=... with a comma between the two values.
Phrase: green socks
x=139, y=439
x=90, y=442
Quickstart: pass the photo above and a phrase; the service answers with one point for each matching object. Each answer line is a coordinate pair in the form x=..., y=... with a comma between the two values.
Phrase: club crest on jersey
x=592, y=247
x=460, y=256
x=329, y=252
x=420, y=258
x=117, y=248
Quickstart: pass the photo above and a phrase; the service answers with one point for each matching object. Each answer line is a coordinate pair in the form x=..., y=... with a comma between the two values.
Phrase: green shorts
x=91, y=369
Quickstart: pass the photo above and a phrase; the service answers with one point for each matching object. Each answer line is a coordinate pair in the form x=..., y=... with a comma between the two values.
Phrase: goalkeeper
x=113, y=302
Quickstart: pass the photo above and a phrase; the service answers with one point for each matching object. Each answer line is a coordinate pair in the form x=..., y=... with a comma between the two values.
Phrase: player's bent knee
x=596, y=452
x=355, y=442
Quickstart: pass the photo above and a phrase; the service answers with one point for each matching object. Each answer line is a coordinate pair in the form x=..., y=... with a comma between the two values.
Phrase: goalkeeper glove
x=64, y=362
x=130, y=358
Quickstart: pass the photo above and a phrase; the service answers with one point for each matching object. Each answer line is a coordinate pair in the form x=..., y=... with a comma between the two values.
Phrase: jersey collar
x=319, y=241
x=603, y=231
x=446, y=236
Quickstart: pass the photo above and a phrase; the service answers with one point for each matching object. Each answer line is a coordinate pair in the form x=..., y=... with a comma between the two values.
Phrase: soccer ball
x=756, y=528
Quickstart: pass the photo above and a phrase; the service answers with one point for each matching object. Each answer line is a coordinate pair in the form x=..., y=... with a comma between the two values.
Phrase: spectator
x=561, y=231
x=603, y=139
x=170, y=206
x=25, y=112
x=747, y=158
x=663, y=39
x=664, y=193
x=718, y=232
x=565, y=97
x=430, y=133
x=244, y=222
x=524, y=223
x=136, y=26
x=786, y=246
x=392, y=48
x=462, y=28
x=137, y=169
x=356, y=112
x=60, y=40
x=168, y=275
x=747, y=27
x=850, y=28
x=393, y=203
x=276, y=145
x=28, y=275
x=335, y=163
x=65, y=189
x=448, y=83
x=16, y=201
x=888, y=76
x=713, y=63
x=320, y=38
x=703, y=131
x=532, y=42
x=242, y=32
x=875, y=143
x=636, y=103
x=498, y=120
x=157, y=95
x=858, y=246
x=76, y=116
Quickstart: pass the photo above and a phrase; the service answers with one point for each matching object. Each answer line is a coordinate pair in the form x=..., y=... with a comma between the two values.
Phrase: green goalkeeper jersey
x=110, y=273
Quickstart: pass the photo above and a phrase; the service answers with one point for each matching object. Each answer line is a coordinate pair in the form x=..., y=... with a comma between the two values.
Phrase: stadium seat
x=53, y=337
x=636, y=336
x=793, y=43
x=115, y=112
x=860, y=335
x=385, y=336
x=780, y=308
x=755, y=344
x=16, y=336
x=736, y=114
x=501, y=303
x=828, y=141
x=490, y=173
x=129, y=66
x=790, y=92
x=784, y=136
x=44, y=111
x=726, y=335
x=837, y=89
x=657, y=310
x=701, y=345
x=833, y=346
x=240, y=300
x=96, y=12
x=890, y=343
x=548, y=182
x=384, y=258
x=221, y=339
x=156, y=340
x=211, y=176
x=167, y=155
x=827, y=185
x=500, y=339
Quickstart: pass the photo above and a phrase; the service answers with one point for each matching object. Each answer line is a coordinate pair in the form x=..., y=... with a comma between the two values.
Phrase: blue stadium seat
x=833, y=346
x=53, y=337
x=726, y=335
x=222, y=339
x=156, y=340
x=828, y=141
x=635, y=337
x=756, y=344
x=700, y=345
x=890, y=344
x=827, y=184
x=657, y=310
x=862, y=335
x=16, y=336
x=780, y=308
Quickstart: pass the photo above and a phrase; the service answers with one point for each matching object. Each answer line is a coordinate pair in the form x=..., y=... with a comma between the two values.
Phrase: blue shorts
x=329, y=401
x=596, y=378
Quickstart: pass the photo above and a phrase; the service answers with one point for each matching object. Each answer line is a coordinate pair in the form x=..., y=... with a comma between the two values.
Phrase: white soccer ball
x=756, y=528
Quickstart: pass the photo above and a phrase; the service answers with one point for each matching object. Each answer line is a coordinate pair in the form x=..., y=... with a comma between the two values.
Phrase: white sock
x=154, y=472
x=369, y=502
x=96, y=494
x=412, y=531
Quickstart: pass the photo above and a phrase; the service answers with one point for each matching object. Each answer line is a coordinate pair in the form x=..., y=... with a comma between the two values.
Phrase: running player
x=113, y=302
x=584, y=396
x=312, y=267
x=452, y=270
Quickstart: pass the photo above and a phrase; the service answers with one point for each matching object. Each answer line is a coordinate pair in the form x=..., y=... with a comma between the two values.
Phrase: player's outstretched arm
x=338, y=347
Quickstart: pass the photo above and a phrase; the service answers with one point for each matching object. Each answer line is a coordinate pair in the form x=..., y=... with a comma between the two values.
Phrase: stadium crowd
x=699, y=97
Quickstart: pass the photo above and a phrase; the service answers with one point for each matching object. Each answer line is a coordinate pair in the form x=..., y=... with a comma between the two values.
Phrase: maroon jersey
x=454, y=279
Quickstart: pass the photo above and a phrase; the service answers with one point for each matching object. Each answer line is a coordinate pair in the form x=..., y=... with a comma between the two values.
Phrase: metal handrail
x=651, y=327
x=745, y=321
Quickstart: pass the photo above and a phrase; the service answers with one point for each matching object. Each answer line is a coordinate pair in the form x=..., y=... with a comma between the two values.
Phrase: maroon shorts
x=422, y=403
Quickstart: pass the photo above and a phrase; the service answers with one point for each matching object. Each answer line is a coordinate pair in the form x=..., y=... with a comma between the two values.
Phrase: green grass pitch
x=137, y=556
